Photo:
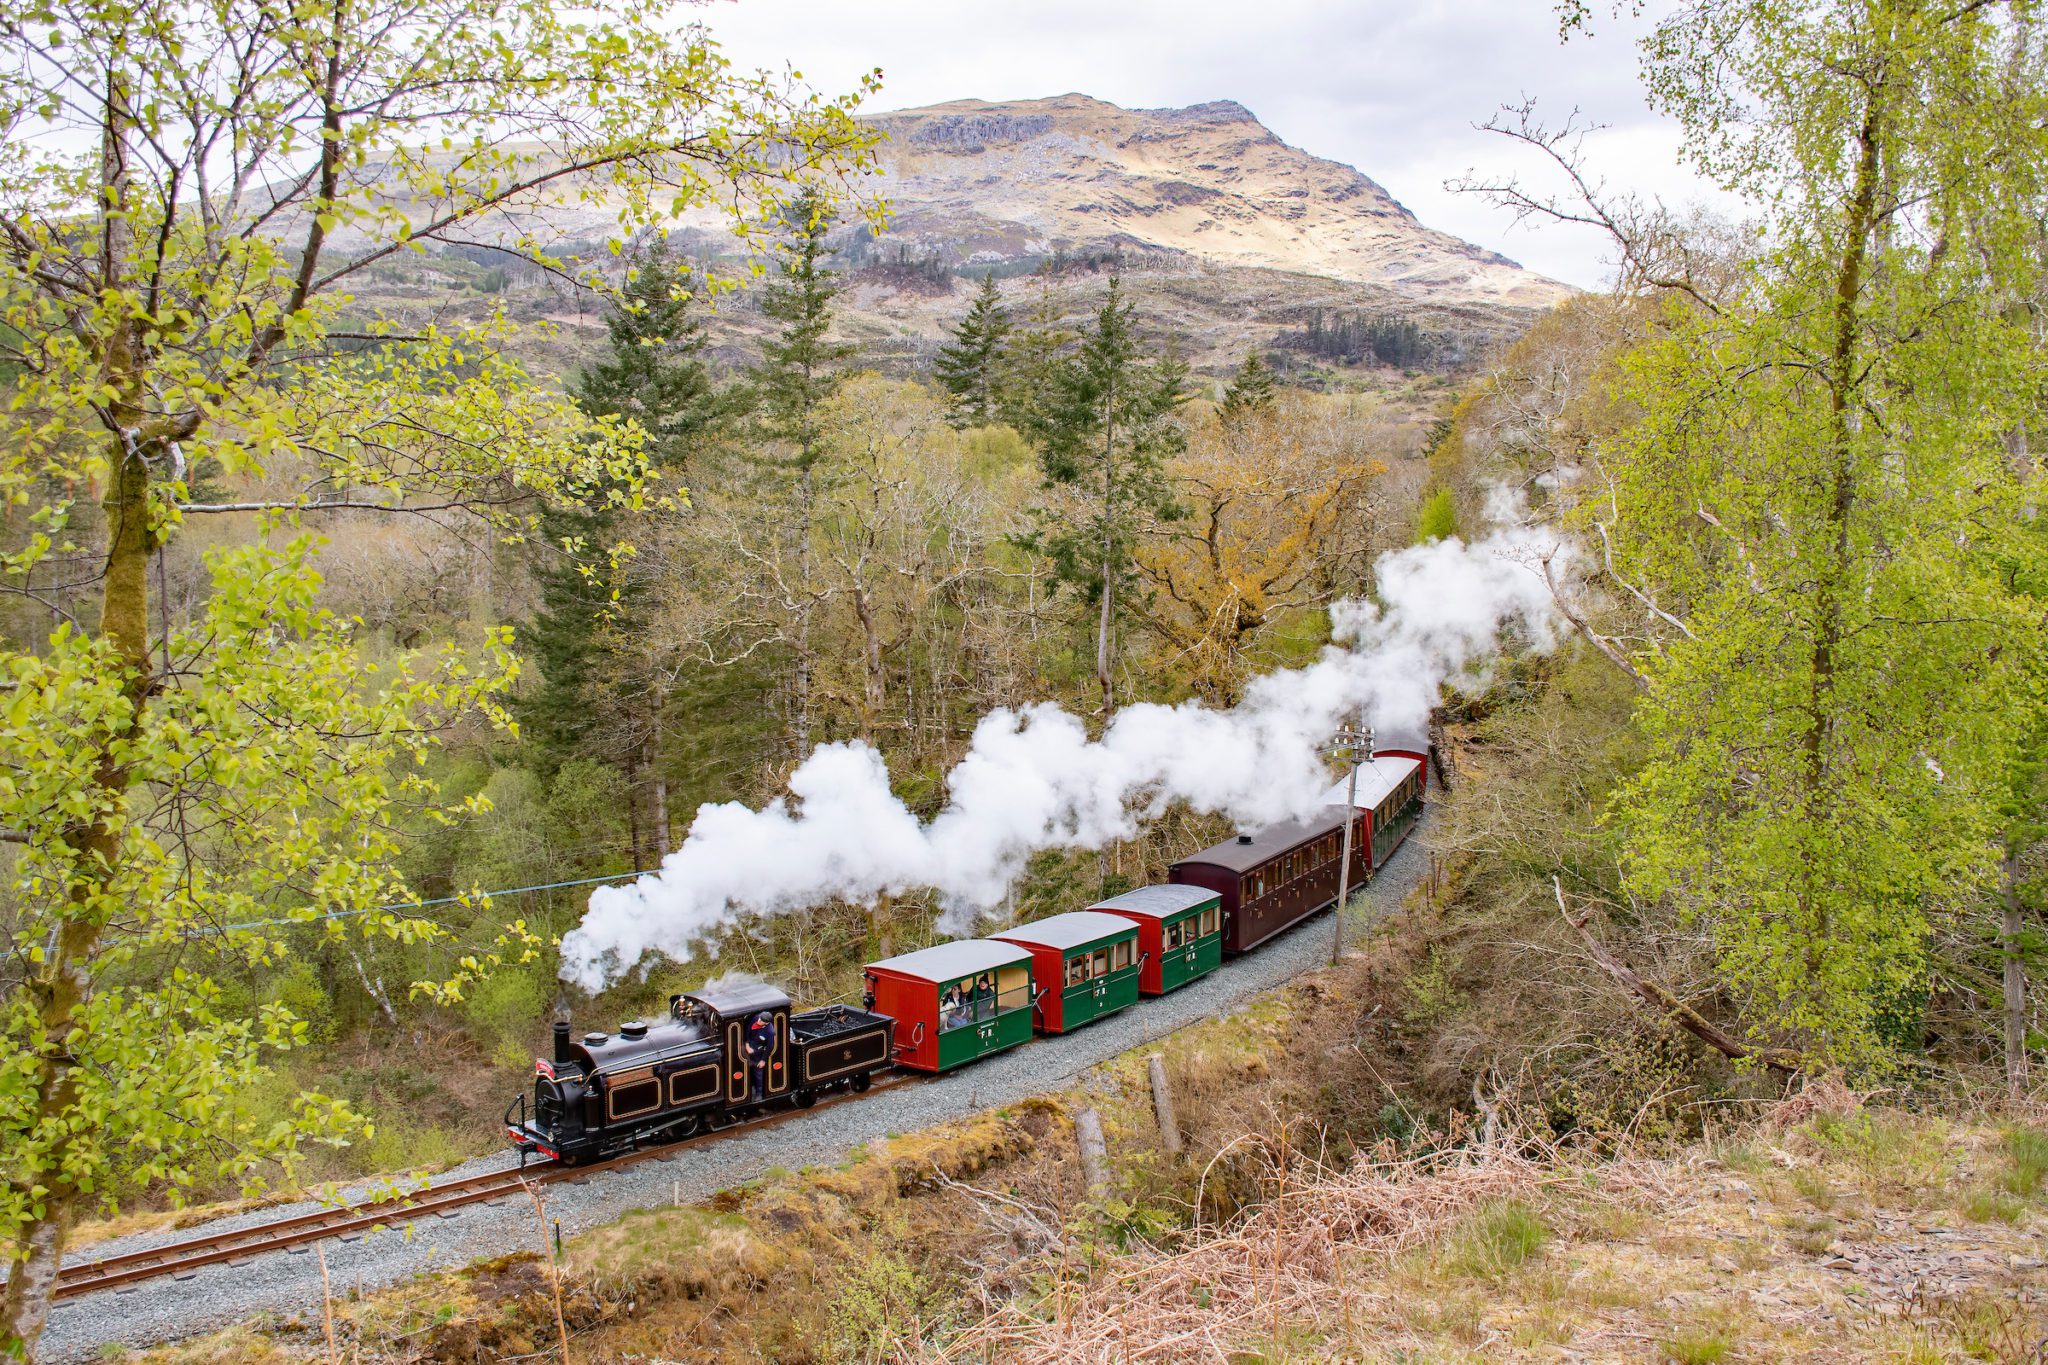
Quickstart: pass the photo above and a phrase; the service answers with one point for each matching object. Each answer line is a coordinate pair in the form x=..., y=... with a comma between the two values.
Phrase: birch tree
x=189, y=198
x=1818, y=499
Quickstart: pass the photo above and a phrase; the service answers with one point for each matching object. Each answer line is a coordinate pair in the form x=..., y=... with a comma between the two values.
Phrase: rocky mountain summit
x=1228, y=239
x=981, y=184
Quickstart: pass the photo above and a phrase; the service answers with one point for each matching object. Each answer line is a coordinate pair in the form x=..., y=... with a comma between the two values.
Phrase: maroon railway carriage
x=1276, y=878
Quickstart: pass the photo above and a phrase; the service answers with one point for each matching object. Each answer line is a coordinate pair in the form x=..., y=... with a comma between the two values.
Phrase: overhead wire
x=470, y=898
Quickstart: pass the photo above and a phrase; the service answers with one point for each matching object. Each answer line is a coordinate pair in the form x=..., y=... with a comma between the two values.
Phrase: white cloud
x=1393, y=88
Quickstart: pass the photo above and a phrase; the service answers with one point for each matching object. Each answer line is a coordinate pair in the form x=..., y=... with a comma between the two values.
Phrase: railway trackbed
x=349, y=1222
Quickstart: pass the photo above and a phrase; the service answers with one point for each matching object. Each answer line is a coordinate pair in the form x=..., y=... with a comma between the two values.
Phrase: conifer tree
x=594, y=699
x=801, y=370
x=971, y=368
x=1106, y=430
x=1250, y=391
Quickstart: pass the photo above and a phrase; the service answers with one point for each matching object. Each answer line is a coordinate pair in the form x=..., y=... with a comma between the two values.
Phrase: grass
x=1698, y=1348
x=2026, y=1151
x=1494, y=1240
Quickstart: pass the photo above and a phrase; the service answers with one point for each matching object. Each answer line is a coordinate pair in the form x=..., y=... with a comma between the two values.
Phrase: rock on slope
x=992, y=183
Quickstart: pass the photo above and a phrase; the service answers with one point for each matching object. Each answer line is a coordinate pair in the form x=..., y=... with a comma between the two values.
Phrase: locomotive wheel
x=861, y=1083
x=806, y=1098
x=689, y=1128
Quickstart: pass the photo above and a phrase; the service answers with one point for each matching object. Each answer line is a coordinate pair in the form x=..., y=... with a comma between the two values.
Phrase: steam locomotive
x=725, y=1053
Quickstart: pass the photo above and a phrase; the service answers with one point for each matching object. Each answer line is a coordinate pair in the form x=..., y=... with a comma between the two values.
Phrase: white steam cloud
x=1033, y=780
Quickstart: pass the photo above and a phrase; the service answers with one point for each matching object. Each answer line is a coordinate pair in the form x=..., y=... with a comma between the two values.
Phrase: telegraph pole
x=1348, y=740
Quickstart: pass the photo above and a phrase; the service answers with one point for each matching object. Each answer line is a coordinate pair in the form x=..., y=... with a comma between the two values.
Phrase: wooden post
x=1094, y=1151
x=1162, y=1105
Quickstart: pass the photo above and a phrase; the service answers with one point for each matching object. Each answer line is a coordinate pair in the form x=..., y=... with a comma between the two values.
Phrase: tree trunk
x=659, y=781
x=1844, y=376
x=62, y=982
x=633, y=809
x=2015, y=986
x=800, y=701
x=874, y=676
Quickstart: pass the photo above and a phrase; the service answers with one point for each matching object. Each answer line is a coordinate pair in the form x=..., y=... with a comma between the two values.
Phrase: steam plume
x=1033, y=780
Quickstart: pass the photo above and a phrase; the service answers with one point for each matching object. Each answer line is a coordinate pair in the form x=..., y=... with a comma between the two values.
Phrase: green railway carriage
x=1088, y=963
x=954, y=1002
x=1180, y=933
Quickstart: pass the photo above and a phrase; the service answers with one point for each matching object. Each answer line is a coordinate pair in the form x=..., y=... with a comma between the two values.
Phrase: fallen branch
x=1661, y=998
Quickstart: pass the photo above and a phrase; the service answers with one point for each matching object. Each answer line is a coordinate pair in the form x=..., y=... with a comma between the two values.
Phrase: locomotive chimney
x=561, y=1040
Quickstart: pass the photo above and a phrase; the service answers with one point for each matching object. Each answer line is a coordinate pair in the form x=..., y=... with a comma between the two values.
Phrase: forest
x=347, y=648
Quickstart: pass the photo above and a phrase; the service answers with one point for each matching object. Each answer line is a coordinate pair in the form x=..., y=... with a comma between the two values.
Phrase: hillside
x=1226, y=235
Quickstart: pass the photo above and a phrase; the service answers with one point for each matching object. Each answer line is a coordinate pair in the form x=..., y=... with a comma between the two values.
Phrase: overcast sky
x=1392, y=87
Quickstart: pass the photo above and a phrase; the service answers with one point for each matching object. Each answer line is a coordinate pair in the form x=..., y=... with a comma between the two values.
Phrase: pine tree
x=1033, y=352
x=971, y=368
x=1106, y=430
x=594, y=700
x=654, y=373
x=1251, y=391
x=801, y=370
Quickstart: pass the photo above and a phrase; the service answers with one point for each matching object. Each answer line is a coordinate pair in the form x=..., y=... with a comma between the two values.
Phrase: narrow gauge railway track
x=354, y=1220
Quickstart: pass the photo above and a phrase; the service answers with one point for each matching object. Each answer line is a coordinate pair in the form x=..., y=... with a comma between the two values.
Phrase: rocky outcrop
x=1000, y=183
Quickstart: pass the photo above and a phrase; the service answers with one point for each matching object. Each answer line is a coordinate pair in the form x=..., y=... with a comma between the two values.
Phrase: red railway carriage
x=1278, y=877
x=954, y=1002
x=1389, y=792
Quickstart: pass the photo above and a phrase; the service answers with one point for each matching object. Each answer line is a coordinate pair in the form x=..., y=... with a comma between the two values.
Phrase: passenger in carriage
x=953, y=1008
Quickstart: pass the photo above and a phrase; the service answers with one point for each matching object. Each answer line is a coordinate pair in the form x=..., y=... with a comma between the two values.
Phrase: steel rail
x=178, y=1258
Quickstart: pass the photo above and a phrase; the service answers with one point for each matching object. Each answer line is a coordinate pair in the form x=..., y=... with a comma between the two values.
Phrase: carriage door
x=735, y=1064
x=778, y=1060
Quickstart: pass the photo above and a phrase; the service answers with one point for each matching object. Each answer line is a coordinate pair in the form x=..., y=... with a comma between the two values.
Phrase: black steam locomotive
x=722, y=1054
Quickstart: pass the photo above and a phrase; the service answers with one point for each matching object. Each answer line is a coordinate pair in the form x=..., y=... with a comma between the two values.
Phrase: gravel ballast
x=288, y=1282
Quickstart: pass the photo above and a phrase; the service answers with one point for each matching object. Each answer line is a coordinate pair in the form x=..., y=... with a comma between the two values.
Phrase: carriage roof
x=951, y=961
x=1159, y=902
x=1071, y=930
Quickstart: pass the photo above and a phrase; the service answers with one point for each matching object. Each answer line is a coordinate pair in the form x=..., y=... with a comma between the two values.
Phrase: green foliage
x=800, y=367
x=1698, y=1348
x=2026, y=1152
x=191, y=794
x=883, y=1303
x=1438, y=518
x=1251, y=391
x=594, y=696
x=1105, y=431
x=1818, y=490
x=972, y=365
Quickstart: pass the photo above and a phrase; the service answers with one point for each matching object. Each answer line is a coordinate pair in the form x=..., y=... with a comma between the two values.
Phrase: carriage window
x=1212, y=920
x=1102, y=962
x=1259, y=886
x=1175, y=934
x=1013, y=988
x=1123, y=954
x=629, y=1101
x=1077, y=970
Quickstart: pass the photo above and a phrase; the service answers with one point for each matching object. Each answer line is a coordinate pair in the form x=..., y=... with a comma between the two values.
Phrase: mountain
x=994, y=184
x=1228, y=240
